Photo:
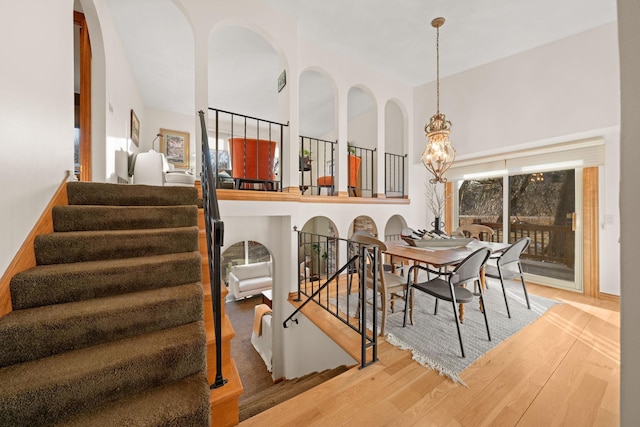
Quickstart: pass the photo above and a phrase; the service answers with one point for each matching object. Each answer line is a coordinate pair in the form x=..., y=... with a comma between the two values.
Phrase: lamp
x=439, y=154
x=153, y=143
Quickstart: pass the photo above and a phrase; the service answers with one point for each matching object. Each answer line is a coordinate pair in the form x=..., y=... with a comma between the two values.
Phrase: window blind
x=571, y=155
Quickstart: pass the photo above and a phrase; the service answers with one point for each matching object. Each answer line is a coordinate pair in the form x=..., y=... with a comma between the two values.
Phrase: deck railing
x=549, y=243
x=327, y=278
x=394, y=165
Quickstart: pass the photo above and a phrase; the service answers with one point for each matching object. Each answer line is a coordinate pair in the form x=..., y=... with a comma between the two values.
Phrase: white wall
x=563, y=91
x=36, y=113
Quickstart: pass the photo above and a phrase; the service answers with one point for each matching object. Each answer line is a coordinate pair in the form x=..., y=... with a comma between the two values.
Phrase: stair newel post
x=215, y=240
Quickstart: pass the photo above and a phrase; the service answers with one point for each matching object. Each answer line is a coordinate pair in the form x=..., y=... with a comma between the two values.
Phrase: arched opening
x=364, y=223
x=395, y=160
x=318, y=133
x=362, y=141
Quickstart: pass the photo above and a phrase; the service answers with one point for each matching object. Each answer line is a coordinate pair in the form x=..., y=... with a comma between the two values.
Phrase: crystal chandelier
x=439, y=154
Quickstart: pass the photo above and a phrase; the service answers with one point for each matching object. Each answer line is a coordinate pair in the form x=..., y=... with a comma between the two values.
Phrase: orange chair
x=326, y=182
x=354, y=169
x=252, y=161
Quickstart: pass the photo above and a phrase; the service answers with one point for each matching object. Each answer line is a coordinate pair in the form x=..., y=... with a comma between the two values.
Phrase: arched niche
x=318, y=247
x=395, y=144
x=318, y=132
x=317, y=105
x=393, y=228
x=243, y=73
x=366, y=223
x=362, y=138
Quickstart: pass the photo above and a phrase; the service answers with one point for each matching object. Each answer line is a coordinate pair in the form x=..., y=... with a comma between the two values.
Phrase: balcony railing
x=394, y=165
x=360, y=171
x=327, y=278
x=317, y=166
x=246, y=151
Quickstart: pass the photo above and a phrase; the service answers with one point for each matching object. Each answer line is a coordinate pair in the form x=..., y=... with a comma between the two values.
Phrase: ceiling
x=393, y=37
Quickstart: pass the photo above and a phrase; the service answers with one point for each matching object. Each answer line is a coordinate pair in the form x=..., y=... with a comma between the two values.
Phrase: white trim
x=565, y=155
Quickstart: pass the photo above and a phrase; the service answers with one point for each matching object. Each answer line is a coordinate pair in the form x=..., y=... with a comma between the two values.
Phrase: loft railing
x=332, y=283
x=247, y=151
x=361, y=173
x=394, y=165
x=215, y=240
x=317, y=159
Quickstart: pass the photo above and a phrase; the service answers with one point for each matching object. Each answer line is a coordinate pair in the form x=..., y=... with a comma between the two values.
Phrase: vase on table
x=437, y=225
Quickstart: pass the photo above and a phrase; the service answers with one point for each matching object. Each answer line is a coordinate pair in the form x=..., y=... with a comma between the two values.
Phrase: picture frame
x=135, y=128
x=282, y=80
x=175, y=146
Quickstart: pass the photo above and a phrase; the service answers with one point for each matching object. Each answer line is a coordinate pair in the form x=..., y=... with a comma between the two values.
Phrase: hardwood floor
x=564, y=370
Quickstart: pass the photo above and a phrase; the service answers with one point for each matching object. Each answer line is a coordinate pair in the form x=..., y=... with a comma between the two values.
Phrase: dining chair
x=477, y=231
x=449, y=286
x=504, y=268
x=391, y=287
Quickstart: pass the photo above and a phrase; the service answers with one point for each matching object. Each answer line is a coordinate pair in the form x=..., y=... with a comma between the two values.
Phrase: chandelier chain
x=438, y=70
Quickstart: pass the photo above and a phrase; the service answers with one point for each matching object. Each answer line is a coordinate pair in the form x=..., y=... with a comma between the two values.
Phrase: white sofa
x=250, y=279
x=263, y=342
x=152, y=168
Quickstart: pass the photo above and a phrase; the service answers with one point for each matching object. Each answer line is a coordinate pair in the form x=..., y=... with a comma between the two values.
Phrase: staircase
x=285, y=390
x=108, y=328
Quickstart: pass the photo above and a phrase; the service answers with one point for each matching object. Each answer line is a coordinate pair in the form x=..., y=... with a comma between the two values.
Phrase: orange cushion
x=259, y=159
x=325, y=181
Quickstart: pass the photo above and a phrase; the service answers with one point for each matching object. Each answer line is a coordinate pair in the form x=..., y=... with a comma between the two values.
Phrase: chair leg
x=504, y=292
x=524, y=287
x=455, y=316
x=486, y=320
x=408, y=305
x=435, y=309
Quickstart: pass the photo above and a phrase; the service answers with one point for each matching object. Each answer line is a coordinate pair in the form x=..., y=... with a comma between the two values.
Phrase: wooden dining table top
x=440, y=257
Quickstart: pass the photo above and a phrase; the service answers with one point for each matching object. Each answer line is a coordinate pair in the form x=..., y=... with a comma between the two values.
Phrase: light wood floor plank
x=563, y=369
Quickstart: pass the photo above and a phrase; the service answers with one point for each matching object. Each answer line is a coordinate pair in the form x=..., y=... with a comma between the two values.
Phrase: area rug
x=433, y=340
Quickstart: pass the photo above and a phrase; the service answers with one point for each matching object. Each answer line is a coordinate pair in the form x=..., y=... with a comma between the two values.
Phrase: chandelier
x=439, y=154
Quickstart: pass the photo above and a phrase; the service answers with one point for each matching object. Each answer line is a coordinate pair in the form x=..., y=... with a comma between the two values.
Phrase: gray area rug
x=433, y=340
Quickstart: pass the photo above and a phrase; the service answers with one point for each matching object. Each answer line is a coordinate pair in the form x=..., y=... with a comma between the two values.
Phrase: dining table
x=439, y=257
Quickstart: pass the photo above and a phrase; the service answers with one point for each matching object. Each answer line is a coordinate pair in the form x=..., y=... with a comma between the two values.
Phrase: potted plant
x=305, y=160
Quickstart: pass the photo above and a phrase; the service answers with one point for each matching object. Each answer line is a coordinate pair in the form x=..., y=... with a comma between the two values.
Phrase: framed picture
x=282, y=80
x=135, y=128
x=175, y=146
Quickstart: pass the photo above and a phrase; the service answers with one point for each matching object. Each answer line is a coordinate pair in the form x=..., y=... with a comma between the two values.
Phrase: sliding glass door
x=544, y=206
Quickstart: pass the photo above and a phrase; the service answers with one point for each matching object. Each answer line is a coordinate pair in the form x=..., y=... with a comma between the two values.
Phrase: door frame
x=85, y=97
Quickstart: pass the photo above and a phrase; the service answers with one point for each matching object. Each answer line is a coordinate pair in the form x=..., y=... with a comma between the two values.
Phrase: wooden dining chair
x=507, y=267
x=389, y=286
x=449, y=287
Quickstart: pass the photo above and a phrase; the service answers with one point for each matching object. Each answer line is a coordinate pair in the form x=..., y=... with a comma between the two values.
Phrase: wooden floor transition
x=562, y=370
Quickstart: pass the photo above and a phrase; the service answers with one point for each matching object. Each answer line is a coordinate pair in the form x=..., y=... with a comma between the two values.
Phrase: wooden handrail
x=25, y=258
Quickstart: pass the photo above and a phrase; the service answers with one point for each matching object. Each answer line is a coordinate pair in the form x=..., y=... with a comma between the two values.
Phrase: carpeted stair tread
x=178, y=404
x=80, y=246
x=44, y=331
x=90, y=217
x=284, y=391
x=61, y=283
x=95, y=193
x=45, y=391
